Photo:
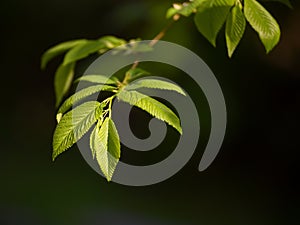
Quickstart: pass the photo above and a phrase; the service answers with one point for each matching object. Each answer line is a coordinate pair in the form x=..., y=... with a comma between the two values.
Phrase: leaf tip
x=58, y=117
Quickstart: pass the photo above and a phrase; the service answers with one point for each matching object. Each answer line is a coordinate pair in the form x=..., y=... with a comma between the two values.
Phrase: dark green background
x=252, y=181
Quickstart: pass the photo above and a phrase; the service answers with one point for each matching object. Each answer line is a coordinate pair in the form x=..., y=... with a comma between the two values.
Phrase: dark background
x=253, y=179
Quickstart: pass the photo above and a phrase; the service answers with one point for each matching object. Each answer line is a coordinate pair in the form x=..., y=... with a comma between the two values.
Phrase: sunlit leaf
x=78, y=96
x=155, y=84
x=98, y=79
x=152, y=106
x=235, y=28
x=74, y=125
x=105, y=146
x=263, y=23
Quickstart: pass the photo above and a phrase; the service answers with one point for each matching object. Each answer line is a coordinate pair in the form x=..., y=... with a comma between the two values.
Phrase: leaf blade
x=152, y=106
x=235, y=28
x=83, y=50
x=58, y=49
x=263, y=23
x=210, y=18
x=155, y=84
x=63, y=81
x=74, y=125
x=76, y=97
x=98, y=79
x=105, y=145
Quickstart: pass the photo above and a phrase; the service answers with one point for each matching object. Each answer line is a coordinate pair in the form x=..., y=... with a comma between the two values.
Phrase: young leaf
x=59, y=49
x=263, y=23
x=98, y=79
x=74, y=125
x=235, y=28
x=63, y=80
x=185, y=9
x=156, y=84
x=152, y=106
x=83, y=50
x=136, y=72
x=105, y=146
x=211, y=16
x=111, y=41
x=75, y=98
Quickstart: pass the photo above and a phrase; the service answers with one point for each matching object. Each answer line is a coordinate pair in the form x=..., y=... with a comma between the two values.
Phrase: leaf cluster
x=212, y=15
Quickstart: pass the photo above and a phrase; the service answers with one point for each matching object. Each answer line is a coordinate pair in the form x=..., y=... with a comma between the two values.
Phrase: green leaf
x=105, y=146
x=75, y=98
x=263, y=23
x=211, y=16
x=83, y=50
x=92, y=46
x=63, y=81
x=156, y=84
x=152, y=106
x=74, y=125
x=235, y=28
x=111, y=41
x=185, y=9
x=136, y=72
x=59, y=49
x=98, y=79
x=285, y=2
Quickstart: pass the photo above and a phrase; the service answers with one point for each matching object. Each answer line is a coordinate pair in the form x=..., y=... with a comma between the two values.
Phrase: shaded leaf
x=74, y=125
x=211, y=16
x=83, y=50
x=152, y=106
x=59, y=49
x=92, y=46
x=105, y=146
x=75, y=98
x=235, y=28
x=63, y=81
x=263, y=23
x=156, y=84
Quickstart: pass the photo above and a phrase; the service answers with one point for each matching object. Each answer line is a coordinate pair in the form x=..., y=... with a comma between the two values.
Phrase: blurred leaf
x=59, y=49
x=235, y=28
x=152, y=106
x=105, y=145
x=74, y=125
x=156, y=84
x=75, y=98
x=63, y=81
x=263, y=23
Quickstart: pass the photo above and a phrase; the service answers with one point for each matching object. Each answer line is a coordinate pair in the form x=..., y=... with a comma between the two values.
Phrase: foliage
x=209, y=17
